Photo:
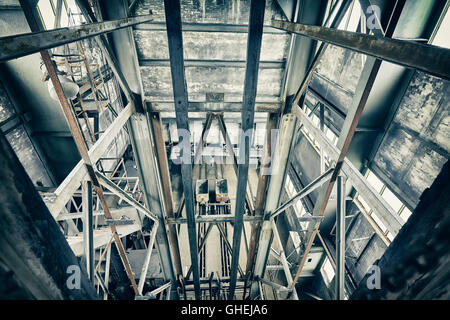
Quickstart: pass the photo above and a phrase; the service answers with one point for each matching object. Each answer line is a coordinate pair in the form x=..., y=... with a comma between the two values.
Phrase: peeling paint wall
x=209, y=11
x=417, y=144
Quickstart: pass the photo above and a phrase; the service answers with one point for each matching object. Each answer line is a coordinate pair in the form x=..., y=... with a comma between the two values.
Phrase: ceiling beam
x=211, y=63
x=175, y=41
x=427, y=58
x=213, y=219
x=214, y=106
x=255, y=31
x=16, y=46
x=207, y=27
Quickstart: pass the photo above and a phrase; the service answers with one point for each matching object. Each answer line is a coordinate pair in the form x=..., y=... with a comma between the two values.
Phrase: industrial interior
x=224, y=149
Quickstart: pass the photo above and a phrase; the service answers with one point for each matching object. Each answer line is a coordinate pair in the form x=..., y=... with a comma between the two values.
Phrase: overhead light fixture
x=70, y=88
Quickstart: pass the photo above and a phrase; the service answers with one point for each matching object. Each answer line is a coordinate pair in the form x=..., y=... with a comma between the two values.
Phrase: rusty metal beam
x=20, y=45
x=427, y=58
x=161, y=156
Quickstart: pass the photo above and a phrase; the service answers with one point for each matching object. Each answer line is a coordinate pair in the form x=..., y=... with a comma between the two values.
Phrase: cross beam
x=427, y=58
x=16, y=46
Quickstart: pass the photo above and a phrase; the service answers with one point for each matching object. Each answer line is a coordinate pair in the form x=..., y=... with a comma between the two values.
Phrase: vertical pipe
x=107, y=268
x=340, y=238
x=88, y=232
x=285, y=144
x=322, y=127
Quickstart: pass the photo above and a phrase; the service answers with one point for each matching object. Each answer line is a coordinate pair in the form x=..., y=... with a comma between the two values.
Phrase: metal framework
x=255, y=31
x=379, y=47
x=175, y=39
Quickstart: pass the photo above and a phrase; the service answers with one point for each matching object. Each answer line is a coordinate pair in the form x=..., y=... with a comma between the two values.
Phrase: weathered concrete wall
x=417, y=143
x=202, y=80
x=209, y=11
x=21, y=143
x=217, y=46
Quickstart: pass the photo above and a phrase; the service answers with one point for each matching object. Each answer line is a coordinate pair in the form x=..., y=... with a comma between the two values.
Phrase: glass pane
x=47, y=14
x=378, y=222
x=393, y=201
x=375, y=182
x=327, y=271
x=6, y=108
x=315, y=120
x=354, y=18
x=330, y=134
x=390, y=236
x=295, y=240
x=406, y=213
x=442, y=39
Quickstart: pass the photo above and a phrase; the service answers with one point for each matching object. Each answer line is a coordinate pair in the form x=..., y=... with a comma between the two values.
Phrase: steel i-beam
x=278, y=174
x=175, y=41
x=340, y=239
x=255, y=31
x=427, y=58
x=16, y=46
x=88, y=231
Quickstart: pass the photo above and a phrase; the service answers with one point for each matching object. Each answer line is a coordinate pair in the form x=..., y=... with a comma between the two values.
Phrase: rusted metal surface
x=427, y=58
x=167, y=187
x=17, y=46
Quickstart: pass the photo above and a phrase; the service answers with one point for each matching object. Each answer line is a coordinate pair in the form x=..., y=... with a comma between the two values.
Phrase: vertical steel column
x=107, y=268
x=255, y=31
x=279, y=164
x=340, y=238
x=322, y=127
x=175, y=41
x=88, y=232
x=161, y=156
x=272, y=121
x=226, y=137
